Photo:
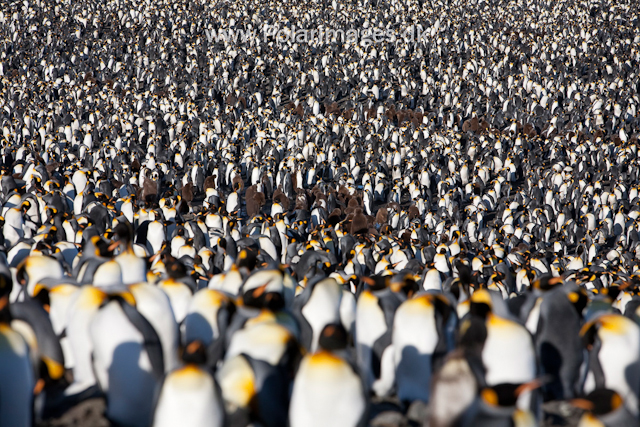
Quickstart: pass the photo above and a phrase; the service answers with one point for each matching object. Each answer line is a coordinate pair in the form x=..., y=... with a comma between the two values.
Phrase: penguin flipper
x=151, y=340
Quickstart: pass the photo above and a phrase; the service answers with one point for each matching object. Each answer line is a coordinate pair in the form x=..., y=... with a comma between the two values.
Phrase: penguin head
x=124, y=233
x=481, y=303
x=377, y=282
x=599, y=402
x=194, y=353
x=404, y=283
x=247, y=258
x=505, y=395
x=175, y=269
x=333, y=337
x=605, y=324
x=547, y=282
x=25, y=206
x=261, y=298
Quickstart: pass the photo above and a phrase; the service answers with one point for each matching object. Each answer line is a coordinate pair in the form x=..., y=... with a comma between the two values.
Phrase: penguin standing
x=208, y=316
x=189, y=396
x=375, y=310
x=254, y=391
x=327, y=390
x=127, y=360
x=613, y=362
x=82, y=307
x=16, y=372
x=505, y=347
x=317, y=305
x=155, y=306
x=554, y=319
x=419, y=339
x=134, y=268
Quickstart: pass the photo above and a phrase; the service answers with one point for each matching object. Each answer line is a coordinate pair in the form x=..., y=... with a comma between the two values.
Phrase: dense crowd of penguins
x=278, y=233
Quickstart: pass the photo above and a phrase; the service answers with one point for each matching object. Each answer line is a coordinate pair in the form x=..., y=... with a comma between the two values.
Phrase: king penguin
x=16, y=372
x=613, y=360
x=189, y=396
x=327, y=390
x=374, y=319
x=127, y=360
x=419, y=343
x=317, y=306
x=134, y=268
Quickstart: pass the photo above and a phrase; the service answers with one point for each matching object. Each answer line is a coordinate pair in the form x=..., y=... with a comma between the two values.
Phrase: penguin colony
x=223, y=233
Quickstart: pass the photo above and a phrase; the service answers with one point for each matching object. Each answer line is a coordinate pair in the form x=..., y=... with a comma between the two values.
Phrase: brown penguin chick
x=353, y=204
x=135, y=165
x=391, y=112
x=359, y=223
x=382, y=216
x=149, y=190
x=210, y=182
x=413, y=212
x=251, y=191
x=301, y=200
x=401, y=116
x=483, y=125
x=474, y=125
x=334, y=217
x=254, y=201
x=343, y=193
x=371, y=220
x=417, y=118
x=260, y=199
x=187, y=192
x=333, y=108
x=237, y=183
x=529, y=130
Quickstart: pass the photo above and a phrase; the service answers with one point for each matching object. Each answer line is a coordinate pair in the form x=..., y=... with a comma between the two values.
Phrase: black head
x=333, y=337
